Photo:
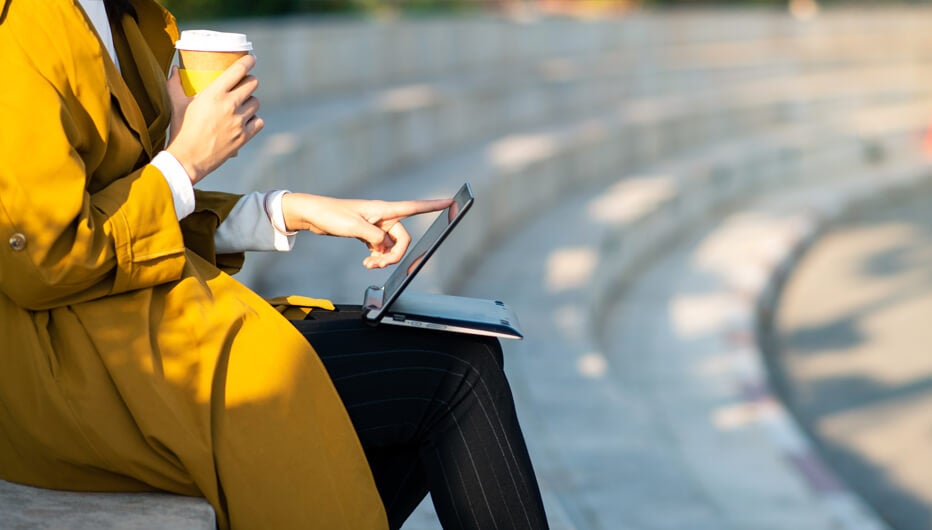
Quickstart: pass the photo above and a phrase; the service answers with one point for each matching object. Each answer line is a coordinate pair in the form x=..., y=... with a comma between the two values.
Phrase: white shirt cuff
x=179, y=182
x=284, y=239
x=249, y=227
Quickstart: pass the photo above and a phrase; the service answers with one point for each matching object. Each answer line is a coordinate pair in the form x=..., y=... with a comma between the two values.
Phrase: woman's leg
x=433, y=411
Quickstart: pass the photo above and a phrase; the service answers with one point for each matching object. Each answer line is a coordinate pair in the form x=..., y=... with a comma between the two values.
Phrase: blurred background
x=712, y=219
x=212, y=9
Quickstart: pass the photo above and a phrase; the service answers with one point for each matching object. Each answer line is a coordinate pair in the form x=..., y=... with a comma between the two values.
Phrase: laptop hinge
x=374, y=298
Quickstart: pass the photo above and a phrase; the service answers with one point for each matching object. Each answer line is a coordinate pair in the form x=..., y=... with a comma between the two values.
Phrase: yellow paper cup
x=204, y=54
x=195, y=81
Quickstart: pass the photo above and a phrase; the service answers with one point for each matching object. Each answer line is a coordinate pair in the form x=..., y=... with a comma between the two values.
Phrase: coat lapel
x=118, y=87
x=139, y=91
x=128, y=106
x=138, y=86
x=145, y=78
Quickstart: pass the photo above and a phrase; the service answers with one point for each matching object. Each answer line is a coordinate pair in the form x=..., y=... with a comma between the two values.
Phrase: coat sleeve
x=211, y=208
x=66, y=236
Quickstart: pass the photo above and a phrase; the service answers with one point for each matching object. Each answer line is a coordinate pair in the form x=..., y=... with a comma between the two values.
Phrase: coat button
x=17, y=242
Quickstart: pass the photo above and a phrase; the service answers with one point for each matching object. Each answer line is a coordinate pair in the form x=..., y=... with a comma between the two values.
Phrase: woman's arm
x=376, y=223
x=206, y=130
x=83, y=229
x=82, y=238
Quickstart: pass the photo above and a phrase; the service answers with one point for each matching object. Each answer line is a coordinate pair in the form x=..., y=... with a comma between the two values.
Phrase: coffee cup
x=204, y=54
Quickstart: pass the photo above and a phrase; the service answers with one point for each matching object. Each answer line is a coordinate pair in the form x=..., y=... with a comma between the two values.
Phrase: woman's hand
x=209, y=128
x=375, y=223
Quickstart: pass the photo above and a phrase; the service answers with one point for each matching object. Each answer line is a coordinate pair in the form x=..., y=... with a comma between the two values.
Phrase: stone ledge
x=703, y=183
x=27, y=508
x=747, y=273
x=334, y=54
x=402, y=127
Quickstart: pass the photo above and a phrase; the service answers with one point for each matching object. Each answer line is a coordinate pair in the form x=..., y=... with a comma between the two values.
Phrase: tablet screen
x=421, y=251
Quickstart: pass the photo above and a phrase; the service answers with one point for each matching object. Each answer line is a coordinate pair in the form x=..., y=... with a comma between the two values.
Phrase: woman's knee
x=484, y=354
x=483, y=363
x=493, y=348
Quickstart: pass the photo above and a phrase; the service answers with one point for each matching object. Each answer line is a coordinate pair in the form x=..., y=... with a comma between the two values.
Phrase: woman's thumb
x=175, y=90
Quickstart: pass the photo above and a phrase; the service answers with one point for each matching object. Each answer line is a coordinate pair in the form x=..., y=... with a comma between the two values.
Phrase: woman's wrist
x=178, y=182
x=194, y=172
x=275, y=212
x=291, y=211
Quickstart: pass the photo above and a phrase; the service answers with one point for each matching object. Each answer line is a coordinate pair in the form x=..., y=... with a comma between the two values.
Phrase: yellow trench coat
x=129, y=360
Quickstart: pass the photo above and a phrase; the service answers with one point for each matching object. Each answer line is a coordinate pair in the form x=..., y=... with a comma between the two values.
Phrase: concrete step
x=566, y=399
x=26, y=508
x=333, y=55
x=339, y=145
x=521, y=175
x=662, y=408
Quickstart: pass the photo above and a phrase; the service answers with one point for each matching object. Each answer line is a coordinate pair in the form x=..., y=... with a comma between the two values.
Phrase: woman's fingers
x=179, y=101
x=376, y=223
x=248, y=112
x=252, y=127
x=246, y=88
x=175, y=91
x=391, y=250
x=223, y=118
x=387, y=218
x=402, y=209
x=249, y=107
x=233, y=76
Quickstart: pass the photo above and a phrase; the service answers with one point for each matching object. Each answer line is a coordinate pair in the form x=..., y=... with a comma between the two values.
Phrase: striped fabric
x=434, y=413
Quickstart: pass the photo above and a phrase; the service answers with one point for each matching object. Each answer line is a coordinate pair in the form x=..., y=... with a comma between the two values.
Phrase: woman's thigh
x=431, y=408
x=397, y=382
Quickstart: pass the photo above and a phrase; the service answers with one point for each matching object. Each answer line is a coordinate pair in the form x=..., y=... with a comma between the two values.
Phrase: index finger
x=234, y=74
x=401, y=240
x=402, y=209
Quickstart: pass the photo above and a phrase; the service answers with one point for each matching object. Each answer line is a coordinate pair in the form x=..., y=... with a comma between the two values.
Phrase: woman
x=132, y=361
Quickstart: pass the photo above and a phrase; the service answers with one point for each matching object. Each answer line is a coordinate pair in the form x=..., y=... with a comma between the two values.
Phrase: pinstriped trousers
x=434, y=413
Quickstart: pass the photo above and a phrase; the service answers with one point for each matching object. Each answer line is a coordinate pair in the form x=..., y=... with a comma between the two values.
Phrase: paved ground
x=643, y=429
x=647, y=427
x=854, y=356
x=645, y=433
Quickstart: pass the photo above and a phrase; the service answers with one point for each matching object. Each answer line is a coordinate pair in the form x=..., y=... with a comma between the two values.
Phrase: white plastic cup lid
x=205, y=40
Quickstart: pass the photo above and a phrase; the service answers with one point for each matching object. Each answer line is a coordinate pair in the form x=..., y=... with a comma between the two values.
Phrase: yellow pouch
x=297, y=307
x=195, y=81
